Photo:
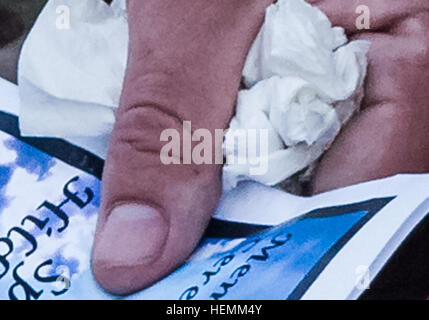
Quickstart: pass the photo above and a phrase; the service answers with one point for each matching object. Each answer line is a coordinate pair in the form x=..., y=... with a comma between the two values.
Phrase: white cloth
x=303, y=82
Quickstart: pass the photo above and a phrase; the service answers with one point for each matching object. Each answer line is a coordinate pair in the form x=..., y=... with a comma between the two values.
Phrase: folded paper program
x=303, y=82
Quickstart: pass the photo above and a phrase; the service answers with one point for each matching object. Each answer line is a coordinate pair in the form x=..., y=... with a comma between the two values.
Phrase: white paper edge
x=391, y=226
x=9, y=98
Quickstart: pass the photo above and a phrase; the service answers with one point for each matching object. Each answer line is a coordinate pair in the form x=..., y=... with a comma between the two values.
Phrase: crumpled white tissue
x=303, y=81
x=70, y=80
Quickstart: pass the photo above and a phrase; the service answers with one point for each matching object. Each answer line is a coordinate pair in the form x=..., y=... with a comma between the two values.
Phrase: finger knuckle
x=139, y=127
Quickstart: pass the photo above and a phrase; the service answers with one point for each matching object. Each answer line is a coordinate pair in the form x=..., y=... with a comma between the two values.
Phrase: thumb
x=152, y=214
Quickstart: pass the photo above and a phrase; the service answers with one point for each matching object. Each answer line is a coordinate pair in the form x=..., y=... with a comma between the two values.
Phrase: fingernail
x=132, y=235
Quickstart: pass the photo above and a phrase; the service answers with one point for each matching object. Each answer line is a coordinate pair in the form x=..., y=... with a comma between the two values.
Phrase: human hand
x=188, y=67
x=389, y=136
x=185, y=63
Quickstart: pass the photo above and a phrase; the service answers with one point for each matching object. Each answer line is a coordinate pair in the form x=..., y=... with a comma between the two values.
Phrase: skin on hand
x=390, y=135
x=185, y=63
x=188, y=67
